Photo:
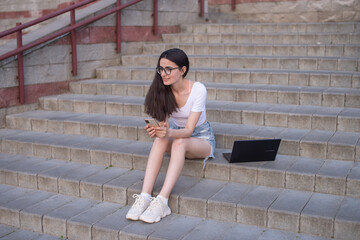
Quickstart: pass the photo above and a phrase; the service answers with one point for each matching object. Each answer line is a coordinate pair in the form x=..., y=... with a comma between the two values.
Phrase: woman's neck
x=180, y=86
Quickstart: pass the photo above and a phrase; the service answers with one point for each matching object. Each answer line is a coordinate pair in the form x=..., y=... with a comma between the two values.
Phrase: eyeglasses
x=167, y=70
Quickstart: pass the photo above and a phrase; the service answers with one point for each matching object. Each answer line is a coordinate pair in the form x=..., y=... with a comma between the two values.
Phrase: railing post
x=155, y=14
x=233, y=4
x=118, y=28
x=73, y=43
x=20, y=66
x=202, y=7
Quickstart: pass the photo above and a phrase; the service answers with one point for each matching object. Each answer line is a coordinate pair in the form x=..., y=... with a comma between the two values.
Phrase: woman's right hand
x=150, y=130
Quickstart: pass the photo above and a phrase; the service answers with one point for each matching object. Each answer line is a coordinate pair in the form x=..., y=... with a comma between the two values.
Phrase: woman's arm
x=179, y=133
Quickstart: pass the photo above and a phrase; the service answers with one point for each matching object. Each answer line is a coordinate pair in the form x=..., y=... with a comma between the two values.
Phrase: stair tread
x=207, y=56
x=107, y=219
x=235, y=86
x=242, y=70
x=221, y=105
x=343, y=171
x=110, y=177
x=137, y=121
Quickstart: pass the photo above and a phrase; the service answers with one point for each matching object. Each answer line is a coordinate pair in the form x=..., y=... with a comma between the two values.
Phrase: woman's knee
x=161, y=141
x=179, y=143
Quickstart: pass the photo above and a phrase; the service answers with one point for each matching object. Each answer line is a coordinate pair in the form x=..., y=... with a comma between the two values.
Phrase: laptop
x=253, y=150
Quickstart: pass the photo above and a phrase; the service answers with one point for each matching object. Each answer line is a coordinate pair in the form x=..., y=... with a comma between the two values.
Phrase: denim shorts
x=203, y=131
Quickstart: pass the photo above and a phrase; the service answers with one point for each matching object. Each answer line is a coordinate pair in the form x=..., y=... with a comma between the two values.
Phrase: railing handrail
x=44, y=18
x=69, y=29
x=65, y=30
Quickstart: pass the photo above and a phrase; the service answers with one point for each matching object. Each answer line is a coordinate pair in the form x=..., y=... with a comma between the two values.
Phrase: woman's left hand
x=163, y=131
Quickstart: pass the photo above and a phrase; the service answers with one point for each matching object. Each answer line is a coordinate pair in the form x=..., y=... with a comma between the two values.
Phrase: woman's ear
x=183, y=70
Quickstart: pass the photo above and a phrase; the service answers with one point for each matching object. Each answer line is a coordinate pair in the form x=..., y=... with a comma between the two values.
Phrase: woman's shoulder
x=199, y=86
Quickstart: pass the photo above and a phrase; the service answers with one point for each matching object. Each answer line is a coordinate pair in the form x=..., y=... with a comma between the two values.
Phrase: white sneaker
x=140, y=205
x=157, y=210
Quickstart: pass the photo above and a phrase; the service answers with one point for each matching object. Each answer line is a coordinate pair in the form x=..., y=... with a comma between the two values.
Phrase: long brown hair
x=160, y=101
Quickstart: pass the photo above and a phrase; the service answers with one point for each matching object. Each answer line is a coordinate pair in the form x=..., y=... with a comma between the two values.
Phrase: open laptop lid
x=253, y=150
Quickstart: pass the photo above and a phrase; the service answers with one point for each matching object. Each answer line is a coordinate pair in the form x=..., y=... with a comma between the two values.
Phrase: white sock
x=146, y=196
x=164, y=200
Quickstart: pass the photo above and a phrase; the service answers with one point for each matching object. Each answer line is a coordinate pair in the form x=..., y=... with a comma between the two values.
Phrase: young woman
x=186, y=135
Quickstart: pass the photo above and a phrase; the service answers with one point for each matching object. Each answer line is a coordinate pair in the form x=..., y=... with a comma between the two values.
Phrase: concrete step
x=83, y=219
x=252, y=49
x=257, y=114
x=7, y=232
x=319, y=175
x=260, y=93
x=229, y=28
x=318, y=78
x=268, y=37
x=344, y=64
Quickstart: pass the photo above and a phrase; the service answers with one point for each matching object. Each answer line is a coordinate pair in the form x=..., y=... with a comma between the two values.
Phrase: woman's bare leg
x=154, y=163
x=181, y=147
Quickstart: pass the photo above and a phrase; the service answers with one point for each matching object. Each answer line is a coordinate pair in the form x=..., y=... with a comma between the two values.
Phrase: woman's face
x=175, y=75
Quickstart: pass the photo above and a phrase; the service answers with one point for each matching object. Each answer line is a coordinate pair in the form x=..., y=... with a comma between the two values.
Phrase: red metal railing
x=202, y=7
x=71, y=29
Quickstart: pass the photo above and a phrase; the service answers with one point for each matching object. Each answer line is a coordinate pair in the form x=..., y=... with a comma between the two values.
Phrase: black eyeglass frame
x=167, y=70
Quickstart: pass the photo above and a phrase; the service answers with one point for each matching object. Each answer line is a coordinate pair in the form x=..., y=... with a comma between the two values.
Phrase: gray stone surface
x=222, y=206
x=109, y=227
x=252, y=209
x=31, y=217
x=311, y=102
x=209, y=229
x=318, y=216
x=284, y=213
x=79, y=226
x=347, y=219
x=55, y=222
x=194, y=201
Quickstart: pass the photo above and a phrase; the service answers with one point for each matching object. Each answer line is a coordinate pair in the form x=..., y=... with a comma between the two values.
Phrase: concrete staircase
x=70, y=168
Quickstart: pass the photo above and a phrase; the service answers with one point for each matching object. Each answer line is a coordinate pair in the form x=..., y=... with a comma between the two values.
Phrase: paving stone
x=20, y=234
x=116, y=189
x=314, y=144
x=48, y=180
x=276, y=234
x=342, y=146
x=338, y=170
x=302, y=174
x=222, y=206
x=194, y=201
x=176, y=228
x=55, y=222
x=79, y=227
x=209, y=229
x=183, y=184
x=252, y=209
x=9, y=211
x=109, y=227
x=244, y=231
x=5, y=230
x=92, y=187
x=31, y=217
x=69, y=183
x=318, y=216
x=141, y=230
x=273, y=173
x=347, y=220
x=353, y=181
x=284, y=213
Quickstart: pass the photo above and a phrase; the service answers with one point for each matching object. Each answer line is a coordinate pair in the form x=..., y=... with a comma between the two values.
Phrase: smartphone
x=152, y=122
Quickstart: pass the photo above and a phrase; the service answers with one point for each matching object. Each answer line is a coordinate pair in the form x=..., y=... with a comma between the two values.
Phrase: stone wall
x=48, y=69
x=285, y=10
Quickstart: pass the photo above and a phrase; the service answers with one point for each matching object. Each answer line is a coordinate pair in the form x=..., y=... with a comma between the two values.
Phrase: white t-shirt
x=196, y=103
